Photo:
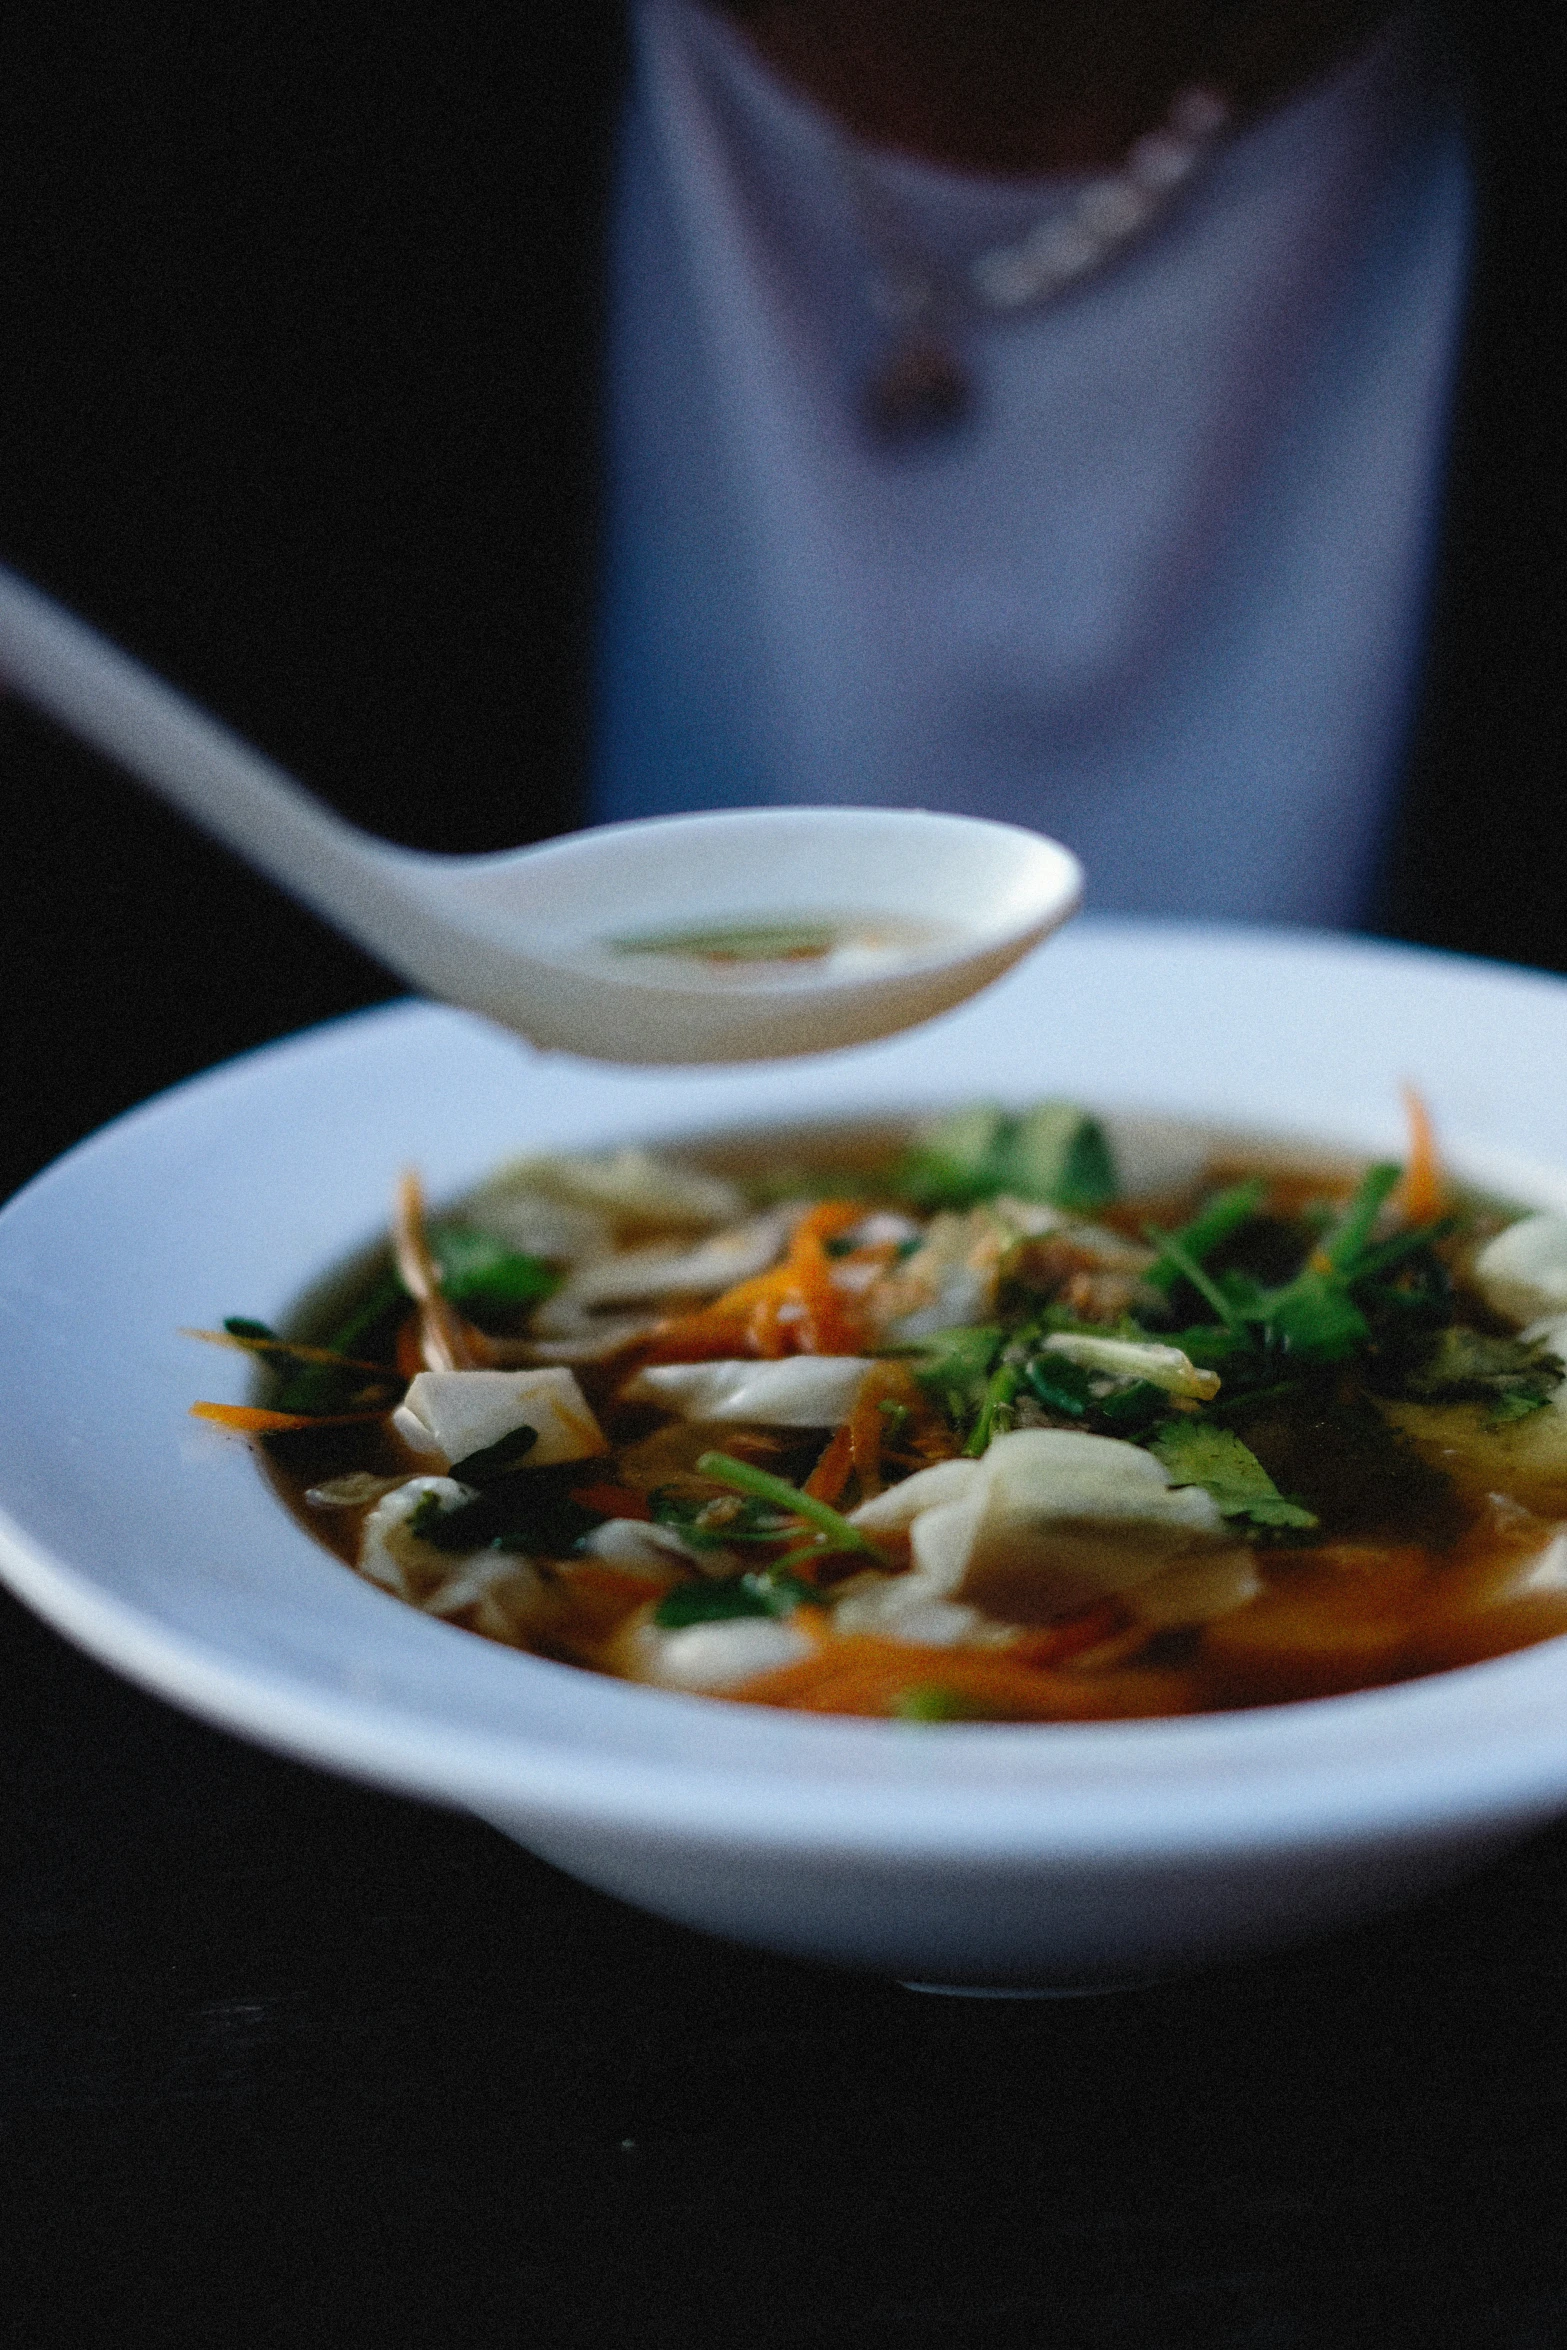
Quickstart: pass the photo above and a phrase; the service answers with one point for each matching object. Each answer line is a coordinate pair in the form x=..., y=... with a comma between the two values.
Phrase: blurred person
x=1039, y=412
x=520, y=417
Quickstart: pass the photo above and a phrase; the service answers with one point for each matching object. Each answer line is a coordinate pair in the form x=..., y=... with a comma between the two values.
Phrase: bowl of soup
x=1063, y=1495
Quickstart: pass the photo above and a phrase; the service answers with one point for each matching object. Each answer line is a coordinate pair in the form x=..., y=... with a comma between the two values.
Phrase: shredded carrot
x=831, y=1473
x=286, y=1346
x=250, y=1420
x=793, y=1309
x=887, y=1383
x=447, y=1342
x=1422, y=1195
x=864, y=1675
x=616, y=1501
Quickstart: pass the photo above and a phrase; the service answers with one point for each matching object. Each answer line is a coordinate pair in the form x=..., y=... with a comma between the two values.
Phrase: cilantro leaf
x=1464, y=1365
x=1314, y=1317
x=478, y=1270
x=831, y=1532
x=772, y=1592
x=1053, y=1152
x=955, y=1367
x=1345, y=1242
x=1197, y=1453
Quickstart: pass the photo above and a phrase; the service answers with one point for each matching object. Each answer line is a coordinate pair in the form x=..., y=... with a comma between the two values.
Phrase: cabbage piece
x=896, y=1510
x=907, y=1608
x=637, y=1275
x=538, y=1226
x=454, y=1413
x=1522, y=1273
x=797, y=1391
x=711, y=1656
x=950, y=1279
x=639, y=1547
x=1046, y=1522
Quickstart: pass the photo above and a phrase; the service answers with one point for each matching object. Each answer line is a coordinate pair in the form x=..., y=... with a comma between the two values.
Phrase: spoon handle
x=65, y=669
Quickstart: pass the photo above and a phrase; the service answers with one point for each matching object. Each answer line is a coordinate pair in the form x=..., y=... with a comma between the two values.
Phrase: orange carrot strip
x=885, y=1383
x=691, y=1338
x=1423, y=1193
x=765, y=1329
x=831, y=1473
x=864, y=1675
x=250, y=1420
x=285, y=1346
x=792, y=1309
x=829, y=1327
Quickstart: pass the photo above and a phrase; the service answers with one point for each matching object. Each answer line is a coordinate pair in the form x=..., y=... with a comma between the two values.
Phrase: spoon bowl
x=752, y=934
x=876, y=919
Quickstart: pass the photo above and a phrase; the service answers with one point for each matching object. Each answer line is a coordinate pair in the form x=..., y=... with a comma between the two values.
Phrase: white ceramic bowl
x=960, y=1854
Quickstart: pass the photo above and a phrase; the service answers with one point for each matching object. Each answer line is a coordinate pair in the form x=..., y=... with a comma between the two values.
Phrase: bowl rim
x=1478, y=1743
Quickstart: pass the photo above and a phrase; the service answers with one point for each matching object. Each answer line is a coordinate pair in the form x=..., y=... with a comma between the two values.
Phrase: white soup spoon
x=752, y=934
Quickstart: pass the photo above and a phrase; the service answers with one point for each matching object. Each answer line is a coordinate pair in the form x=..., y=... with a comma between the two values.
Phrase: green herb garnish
x=1197, y=1453
x=708, y=1523
x=1460, y=1365
x=834, y=1533
x=955, y=1367
x=1053, y=1152
x=1208, y=1230
x=929, y=1702
x=771, y=1592
x=528, y=1510
x=478, y=1271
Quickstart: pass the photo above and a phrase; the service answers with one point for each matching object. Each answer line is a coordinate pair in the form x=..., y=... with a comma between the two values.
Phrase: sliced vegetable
x=447, y=1342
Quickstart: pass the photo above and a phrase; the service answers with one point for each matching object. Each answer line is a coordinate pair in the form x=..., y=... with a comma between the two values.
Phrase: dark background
x=283, y=2062
x=296, y=398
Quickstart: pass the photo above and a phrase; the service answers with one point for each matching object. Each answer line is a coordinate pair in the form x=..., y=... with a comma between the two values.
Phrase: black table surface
x=286, y=2061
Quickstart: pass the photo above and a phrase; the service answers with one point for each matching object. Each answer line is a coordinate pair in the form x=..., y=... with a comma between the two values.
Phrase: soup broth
x=969, y=1422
